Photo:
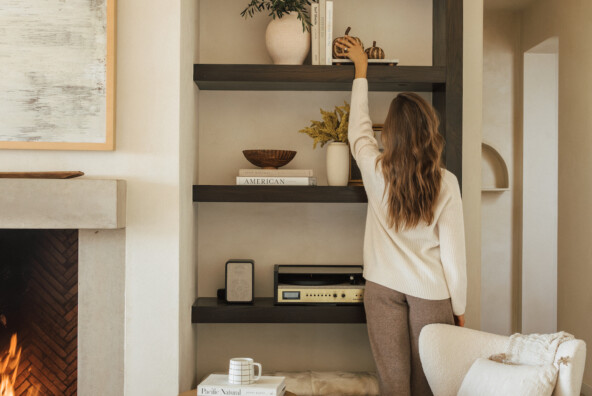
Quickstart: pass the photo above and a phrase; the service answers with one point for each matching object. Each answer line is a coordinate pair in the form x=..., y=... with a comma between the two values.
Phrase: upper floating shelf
x=316, y=78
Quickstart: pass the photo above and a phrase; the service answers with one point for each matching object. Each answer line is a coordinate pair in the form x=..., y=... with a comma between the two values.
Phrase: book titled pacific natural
x=218, y=385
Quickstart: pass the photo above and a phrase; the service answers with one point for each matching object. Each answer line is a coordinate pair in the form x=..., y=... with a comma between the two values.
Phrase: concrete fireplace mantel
x=62, y=204
x=97, y=209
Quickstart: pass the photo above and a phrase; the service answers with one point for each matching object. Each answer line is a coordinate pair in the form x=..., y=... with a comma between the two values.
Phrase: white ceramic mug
x=242, y=371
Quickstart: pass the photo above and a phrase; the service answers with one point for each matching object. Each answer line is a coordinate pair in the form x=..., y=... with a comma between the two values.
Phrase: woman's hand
x=459, y=320
x=356, y=53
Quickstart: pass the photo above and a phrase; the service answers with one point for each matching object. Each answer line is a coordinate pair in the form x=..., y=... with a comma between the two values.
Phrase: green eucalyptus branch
x=278, y=8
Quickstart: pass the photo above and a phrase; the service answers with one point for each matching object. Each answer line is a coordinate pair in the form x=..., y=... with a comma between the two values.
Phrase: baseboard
x=586, y=390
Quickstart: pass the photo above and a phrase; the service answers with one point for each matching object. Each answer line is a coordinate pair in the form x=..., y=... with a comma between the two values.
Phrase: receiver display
x=291, y=295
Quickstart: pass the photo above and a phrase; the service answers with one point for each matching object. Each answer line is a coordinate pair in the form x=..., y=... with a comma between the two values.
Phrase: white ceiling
x=507, y=4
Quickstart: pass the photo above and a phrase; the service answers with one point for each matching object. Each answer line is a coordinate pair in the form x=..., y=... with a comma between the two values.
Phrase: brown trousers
x=394, y=322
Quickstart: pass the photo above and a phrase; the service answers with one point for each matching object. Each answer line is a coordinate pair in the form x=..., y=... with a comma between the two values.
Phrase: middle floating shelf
x=321, y=194
x=316, y=78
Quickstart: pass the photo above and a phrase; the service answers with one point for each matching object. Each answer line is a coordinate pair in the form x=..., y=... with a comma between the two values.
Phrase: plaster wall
x=189, y=43
x=147, y=157
x=539, y=247
x=569, y=20
x=306, y=233
x=472, y=136
x=502, y=129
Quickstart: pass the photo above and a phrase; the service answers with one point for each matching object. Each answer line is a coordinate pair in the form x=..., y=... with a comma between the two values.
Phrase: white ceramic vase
x=286, y=42
x=337, y=164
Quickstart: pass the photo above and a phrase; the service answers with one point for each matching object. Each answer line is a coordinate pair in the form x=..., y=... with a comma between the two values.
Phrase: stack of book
x=275, y=177
x=321, y=32
x=218, y=385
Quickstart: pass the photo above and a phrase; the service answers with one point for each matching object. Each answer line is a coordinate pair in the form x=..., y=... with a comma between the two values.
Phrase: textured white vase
x=337, y=164
x=286, y=42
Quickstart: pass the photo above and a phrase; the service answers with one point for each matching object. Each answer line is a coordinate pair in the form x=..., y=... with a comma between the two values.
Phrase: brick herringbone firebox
x=39, y=302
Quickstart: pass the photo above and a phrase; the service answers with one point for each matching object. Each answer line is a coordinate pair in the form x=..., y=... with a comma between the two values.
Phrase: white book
x=276, y=172
x=329, y=33
x=393, y=62
x=275, y=181
x=314, y=34
x=322, y=32
x=218, y=385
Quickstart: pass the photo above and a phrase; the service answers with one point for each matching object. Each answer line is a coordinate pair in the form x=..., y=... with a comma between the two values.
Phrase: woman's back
x=426, y=260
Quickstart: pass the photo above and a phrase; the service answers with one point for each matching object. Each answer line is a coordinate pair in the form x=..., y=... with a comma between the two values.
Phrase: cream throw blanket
x=535, y=349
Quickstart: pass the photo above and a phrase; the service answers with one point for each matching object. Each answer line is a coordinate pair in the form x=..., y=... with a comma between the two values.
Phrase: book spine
x=329, y=33
x=213, y=390
x=322, y=32
x=275, y=181
x=314, y=34
x=276, y=172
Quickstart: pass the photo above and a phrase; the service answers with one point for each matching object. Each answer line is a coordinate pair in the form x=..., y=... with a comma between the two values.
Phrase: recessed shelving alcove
x=495, y=176
x=274, y=224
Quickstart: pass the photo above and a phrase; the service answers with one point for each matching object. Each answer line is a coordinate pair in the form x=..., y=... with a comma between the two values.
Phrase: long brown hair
x=411, y=161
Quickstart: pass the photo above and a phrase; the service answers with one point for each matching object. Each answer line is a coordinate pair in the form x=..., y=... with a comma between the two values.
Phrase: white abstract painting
x=53, y=71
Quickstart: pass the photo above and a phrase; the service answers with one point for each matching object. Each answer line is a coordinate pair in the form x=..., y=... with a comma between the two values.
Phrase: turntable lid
x=319, y=269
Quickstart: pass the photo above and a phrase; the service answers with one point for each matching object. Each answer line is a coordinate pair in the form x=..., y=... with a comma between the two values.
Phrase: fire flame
x=9, y=364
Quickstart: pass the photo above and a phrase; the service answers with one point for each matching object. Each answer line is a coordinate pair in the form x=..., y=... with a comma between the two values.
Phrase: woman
x=414, y=246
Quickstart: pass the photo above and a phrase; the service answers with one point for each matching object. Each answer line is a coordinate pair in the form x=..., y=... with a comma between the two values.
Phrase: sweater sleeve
x=361, y=138
x=452, y=249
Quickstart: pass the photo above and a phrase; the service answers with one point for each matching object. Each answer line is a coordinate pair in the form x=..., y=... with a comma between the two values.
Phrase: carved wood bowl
x=269, y=159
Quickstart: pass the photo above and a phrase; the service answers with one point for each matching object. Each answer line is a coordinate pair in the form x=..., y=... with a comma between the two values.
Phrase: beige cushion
x=488, y=378
x=330, y=383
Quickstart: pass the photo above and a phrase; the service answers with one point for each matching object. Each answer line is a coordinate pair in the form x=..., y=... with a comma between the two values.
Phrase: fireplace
x=39, y=303
x=62, y=244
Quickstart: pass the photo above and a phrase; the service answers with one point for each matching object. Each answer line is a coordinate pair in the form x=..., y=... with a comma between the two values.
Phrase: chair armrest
x=571, y=372
x=447, y=352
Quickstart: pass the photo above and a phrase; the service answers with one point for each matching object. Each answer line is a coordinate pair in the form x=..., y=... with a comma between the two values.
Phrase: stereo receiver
x=318, y=284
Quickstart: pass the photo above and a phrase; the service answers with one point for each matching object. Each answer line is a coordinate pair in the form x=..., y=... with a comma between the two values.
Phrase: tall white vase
x=286, y=41
x=337, y=164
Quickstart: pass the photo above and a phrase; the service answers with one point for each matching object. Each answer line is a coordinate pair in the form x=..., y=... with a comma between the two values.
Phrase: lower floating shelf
x=263, y=310
x=321, y=194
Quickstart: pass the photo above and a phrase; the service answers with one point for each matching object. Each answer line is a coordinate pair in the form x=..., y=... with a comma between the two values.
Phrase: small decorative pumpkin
x=339, y=52
x=374, y=52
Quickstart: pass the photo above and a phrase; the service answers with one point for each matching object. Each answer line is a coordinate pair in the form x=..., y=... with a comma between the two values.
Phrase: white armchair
x=447, y=352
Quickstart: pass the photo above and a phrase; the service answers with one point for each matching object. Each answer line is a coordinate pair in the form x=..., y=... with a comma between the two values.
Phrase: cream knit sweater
x=428, y=261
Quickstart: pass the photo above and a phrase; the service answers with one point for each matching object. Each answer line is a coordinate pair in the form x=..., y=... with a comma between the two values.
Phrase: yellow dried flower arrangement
x=333, y=127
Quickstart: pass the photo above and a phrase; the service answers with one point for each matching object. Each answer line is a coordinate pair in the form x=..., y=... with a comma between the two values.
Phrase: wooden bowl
x=269, y=159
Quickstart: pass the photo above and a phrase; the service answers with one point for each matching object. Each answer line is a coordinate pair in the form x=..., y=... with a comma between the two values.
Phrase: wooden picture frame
x=355, y=175
x=75, y=109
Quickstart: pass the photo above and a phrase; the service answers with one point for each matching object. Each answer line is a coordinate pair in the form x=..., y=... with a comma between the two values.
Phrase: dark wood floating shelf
x=321, y=194
x=213, y=310
x=316, y=78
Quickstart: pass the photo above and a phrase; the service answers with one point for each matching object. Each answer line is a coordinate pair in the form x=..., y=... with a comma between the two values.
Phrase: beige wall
x=306, y=233
x=472, y=131
x=502, y=64
x=187, y=177
x=569, y=20
x=539, y=243
x=147, y=156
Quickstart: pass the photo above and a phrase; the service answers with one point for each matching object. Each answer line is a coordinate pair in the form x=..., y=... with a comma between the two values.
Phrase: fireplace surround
x=96, y=208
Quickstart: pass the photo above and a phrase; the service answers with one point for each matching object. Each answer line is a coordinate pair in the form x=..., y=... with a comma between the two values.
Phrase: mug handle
x=259, y=373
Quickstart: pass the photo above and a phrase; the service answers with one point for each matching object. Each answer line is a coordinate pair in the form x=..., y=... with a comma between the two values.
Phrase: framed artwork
x=355, y=176
x=57, y=74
